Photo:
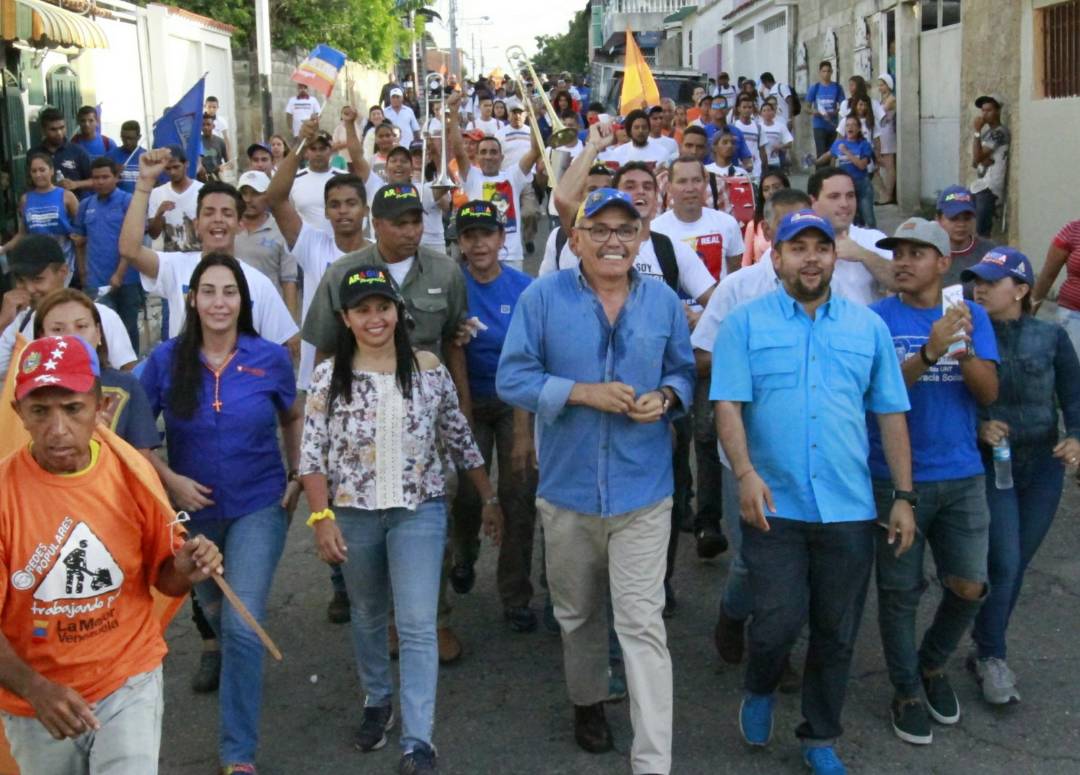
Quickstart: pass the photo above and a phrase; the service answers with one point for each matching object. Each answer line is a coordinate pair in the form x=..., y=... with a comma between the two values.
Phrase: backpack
x=662, y=245
x=796, y=103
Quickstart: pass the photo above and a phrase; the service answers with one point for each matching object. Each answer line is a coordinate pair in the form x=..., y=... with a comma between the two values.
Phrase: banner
x=639, y=89
x=182, y=125
x=320, y=69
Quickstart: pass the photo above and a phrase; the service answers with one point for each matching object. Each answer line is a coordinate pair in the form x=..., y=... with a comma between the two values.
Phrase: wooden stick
x=245, y=614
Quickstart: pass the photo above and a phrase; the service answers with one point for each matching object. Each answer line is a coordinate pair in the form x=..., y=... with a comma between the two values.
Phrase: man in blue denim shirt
x=945, y=388
x=794, y=373
x=602, y=357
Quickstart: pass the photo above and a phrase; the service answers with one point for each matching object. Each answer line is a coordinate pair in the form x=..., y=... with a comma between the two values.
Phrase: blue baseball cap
x=606, y=197
x=1001, y=262
x=955, y=200
x=794, y=224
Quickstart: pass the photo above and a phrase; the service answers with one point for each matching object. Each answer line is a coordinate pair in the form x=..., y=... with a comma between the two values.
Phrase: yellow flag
x=638, y=87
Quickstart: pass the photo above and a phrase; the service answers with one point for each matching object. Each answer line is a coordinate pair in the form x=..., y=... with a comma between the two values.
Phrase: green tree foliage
x=367, y=31
x=569, y=51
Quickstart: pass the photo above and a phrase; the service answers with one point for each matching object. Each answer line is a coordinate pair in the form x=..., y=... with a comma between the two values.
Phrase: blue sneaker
x=822, y=760
x=756, y=719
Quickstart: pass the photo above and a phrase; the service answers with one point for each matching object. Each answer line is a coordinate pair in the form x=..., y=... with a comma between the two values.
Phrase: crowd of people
x=341, y=326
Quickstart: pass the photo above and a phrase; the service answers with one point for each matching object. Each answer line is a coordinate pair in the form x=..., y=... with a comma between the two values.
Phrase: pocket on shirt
x=850, y=364
x=430, y=315
x=773, y=363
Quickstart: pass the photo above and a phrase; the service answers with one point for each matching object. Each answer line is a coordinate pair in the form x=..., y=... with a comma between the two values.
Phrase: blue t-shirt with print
x=827, y=96
x=942, y=420
x=493, y=303
x=129, y=166
x=860, y=149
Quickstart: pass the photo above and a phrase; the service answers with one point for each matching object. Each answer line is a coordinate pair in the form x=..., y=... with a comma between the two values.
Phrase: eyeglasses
x=601, y=233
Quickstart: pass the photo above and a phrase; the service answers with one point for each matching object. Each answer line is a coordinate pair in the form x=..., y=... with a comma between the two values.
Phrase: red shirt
x=1068, y=239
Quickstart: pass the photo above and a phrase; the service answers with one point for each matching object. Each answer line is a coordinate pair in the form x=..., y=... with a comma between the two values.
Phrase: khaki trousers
x=586, y=557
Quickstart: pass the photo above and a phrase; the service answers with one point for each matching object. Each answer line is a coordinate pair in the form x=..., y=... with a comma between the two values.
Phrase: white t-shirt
x=504, y=190
x=399, y=269
x=315, y=250
x=434, y=236
x=851, y=279
x=489, y=126
x=654, y=154
x=782, y=91
x=669, y=145
x=269, y=313
x=752, y=134
x=714, y=237
x=515, y=142
x=301, y=109
x=747, y=284
x=308, y=196
x=112, y=329
x=179, y=231
x=694, y=278
x=774, y=137
x=405, y=120
x=221, y=126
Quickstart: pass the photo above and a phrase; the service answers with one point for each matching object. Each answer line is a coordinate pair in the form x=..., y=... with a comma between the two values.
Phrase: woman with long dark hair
x=53, y=209
x=224, y=391
x=377, y=416
x=755, y=241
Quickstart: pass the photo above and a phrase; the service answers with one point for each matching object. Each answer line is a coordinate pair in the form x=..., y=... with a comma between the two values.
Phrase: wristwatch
x=493, y=500
x=910, y=496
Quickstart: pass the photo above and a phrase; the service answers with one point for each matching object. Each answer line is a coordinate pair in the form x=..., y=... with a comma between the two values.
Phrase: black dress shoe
x=710, y=542
x=208, y=675
x=591, y=728
x=462, y=578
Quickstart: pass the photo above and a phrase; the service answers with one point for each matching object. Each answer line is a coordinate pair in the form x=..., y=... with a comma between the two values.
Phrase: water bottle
x=1003, y=465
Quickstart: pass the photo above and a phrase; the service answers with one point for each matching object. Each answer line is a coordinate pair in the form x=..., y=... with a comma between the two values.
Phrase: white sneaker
x=998, y=682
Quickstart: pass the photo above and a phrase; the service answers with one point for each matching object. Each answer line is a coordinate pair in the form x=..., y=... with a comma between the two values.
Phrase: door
x=13, y=145
x=939, y=104
x=62, y=92
x=773, y=48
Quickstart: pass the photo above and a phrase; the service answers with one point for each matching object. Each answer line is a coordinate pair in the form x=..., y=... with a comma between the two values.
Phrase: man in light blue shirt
x=602, y=356
x=795, y=373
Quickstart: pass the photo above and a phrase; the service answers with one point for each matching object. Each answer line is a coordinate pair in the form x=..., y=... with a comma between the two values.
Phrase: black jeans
x=710, y=500
x=985, y=205
x=823, y=140
x=684, y=487
x=801, y=570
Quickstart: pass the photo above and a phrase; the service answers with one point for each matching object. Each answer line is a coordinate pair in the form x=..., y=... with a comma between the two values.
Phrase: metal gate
x=62, y=91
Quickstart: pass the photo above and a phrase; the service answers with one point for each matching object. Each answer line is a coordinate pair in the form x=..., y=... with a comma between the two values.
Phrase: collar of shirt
x=792, y=308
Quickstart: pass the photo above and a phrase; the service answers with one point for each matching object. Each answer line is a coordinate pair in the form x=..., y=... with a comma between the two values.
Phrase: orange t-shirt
x=78, y=557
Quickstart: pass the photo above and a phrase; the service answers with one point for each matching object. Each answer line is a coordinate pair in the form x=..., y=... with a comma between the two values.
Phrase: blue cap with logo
x=794, y=224
x=955, y=200
x=606, y=197
x=1001, y=262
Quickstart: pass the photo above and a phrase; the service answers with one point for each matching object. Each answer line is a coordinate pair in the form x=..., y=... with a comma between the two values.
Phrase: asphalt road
x=503, y=707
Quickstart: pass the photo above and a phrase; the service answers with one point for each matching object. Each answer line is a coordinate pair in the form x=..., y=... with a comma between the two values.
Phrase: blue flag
x=182, y=125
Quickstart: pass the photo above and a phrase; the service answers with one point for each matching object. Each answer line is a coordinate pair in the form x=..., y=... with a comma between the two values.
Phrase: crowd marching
x=707, y=348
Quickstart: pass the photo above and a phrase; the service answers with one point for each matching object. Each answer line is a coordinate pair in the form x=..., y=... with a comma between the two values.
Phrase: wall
x=706, y=23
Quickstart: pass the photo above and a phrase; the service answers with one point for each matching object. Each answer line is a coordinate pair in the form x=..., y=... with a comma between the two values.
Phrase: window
x=746, y=35
x=774, y=22
x=690, y=47
x=939, y=13
x=1057, y=55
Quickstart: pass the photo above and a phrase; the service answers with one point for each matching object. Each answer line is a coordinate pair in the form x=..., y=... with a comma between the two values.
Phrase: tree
x=368, y=31
x=569, y=51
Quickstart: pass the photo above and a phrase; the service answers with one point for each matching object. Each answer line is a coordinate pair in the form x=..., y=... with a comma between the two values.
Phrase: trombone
x=522, y=65
x=443, y=182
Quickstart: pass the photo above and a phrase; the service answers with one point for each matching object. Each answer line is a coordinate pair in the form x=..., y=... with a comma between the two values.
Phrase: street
x=503, y=708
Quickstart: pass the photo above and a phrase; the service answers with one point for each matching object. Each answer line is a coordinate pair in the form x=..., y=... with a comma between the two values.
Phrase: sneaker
x=378, y=720
x=418, y=761
x=238, y=769
x=710, y=542
x=730, y=638
x=941, y=700
x=521, y=618
x=208, y=675
x=822, y=760
x=616, y=683
x=756, y=718
x=998, y=682
x=671, y=605
x=790, y=680
x=338, y=610
x=449, y=646
x=910, y=721
x=462, y=578
x=591, y=731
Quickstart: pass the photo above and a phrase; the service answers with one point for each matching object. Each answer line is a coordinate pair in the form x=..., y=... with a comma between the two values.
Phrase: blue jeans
x=953, y=518
x=1070, y=321
x=736, y=602
x=985, y=205
x=398, y=551
x=1019, y=520
x=252, y=545
x=864, y=193
x=816, y=572
x=823, y=140
x=127, y=302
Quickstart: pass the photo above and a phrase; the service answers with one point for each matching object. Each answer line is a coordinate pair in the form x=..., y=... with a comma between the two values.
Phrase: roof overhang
x=51, y=25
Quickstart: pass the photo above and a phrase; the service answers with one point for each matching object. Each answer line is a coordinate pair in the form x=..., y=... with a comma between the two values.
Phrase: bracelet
x=492, y=501
x=294, y=475
x=926, y=358
x=319, y=516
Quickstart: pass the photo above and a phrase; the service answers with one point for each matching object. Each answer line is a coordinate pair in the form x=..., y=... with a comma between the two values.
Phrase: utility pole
x=262, y=44
x=455, y=68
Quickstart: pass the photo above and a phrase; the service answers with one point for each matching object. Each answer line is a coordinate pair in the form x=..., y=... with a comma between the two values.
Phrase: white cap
x=513, y=104
x=396, y=92
x=255, y=179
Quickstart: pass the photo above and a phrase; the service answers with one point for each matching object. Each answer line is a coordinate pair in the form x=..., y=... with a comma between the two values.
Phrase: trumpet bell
x=563, y=136
x=442, y=185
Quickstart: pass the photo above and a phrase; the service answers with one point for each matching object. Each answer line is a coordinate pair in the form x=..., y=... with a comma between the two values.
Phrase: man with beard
x=641, y=147
x=794, y=374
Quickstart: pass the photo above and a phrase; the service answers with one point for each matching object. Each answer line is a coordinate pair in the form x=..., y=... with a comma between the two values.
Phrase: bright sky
x=511, y=22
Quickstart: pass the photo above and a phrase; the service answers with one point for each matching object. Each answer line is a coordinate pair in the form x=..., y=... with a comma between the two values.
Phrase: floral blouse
x=381, y=450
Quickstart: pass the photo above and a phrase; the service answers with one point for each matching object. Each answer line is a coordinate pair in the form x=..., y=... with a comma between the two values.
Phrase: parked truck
x=676, y=83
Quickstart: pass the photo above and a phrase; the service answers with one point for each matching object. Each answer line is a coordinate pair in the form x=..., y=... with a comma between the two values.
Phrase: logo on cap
x=367, y=276
x=801, y=216
x=33, y=360
x=997, y=259
x=958, y=196
x=399, y=192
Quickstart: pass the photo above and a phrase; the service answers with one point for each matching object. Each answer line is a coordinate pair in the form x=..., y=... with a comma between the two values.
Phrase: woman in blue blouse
x=46, y=208
x=224, y=391
x=853, y=154
x=1038, y=374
